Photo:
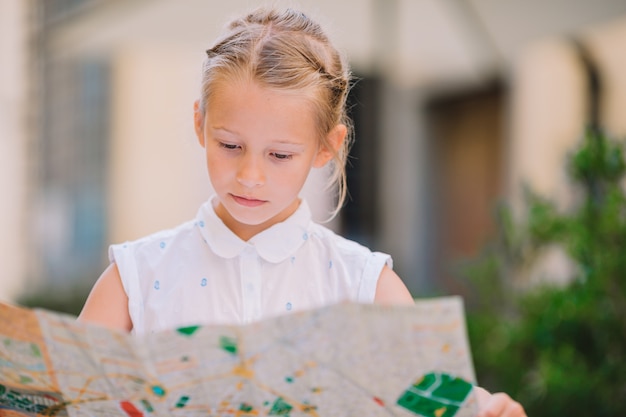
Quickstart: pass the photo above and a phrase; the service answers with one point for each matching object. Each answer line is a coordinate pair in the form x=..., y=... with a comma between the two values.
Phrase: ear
x=198, y=122
x=335, y=139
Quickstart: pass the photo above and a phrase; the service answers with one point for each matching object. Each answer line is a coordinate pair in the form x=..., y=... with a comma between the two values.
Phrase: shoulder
x=350, y=262
x=328, y=238
x=357, y=257
x=137, y=260
x=107, y=304
x=391, y=290
x=375, y=266
x=156, y=240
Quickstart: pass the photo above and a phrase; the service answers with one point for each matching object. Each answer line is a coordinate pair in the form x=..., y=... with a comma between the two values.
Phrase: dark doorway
x=360, y=214
x=467, y=178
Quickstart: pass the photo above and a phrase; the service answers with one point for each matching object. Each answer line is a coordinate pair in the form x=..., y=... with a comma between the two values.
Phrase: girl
x=272, y=106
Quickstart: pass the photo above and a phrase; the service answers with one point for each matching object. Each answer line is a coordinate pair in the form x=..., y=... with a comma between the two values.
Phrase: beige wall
x=549, y=110
x=608, y=46
x=549, y=106
x=12, y=146
x=157, y=174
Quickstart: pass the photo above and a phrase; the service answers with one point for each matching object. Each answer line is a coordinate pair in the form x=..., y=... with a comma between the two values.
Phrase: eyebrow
x=223, y=129
x=290, y=145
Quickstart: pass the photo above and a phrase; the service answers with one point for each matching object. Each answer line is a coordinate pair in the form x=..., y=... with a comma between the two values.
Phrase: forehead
x=227, y=84
x=247, y=107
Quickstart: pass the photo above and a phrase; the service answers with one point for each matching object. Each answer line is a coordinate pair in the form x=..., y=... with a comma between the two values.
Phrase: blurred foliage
x=559, y=349
x=67, y=300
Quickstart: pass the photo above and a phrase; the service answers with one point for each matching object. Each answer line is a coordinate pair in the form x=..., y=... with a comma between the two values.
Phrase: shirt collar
x=274, y=244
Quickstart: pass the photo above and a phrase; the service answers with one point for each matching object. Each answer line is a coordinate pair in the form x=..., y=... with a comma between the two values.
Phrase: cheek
x=218, y=167
x=295, y=177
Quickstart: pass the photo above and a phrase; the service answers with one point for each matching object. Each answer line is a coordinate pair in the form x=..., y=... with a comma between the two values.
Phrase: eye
x=281, y=156
x=228, y=146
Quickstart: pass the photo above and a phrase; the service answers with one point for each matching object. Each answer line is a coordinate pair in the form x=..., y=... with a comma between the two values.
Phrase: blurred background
x=458, y=104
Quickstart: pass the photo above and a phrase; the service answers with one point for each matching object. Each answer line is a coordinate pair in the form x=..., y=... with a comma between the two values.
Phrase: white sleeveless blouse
x=202, y=273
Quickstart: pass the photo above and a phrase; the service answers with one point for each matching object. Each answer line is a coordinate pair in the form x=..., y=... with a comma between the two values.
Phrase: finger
x=496, y=405
x=482, y=396
x=514, y=409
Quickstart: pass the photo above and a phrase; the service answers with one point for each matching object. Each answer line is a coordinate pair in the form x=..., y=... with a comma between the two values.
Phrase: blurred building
x=14, y=133
x=458, y=102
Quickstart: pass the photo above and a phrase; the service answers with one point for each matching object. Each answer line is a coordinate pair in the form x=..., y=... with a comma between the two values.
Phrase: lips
x=247, y=201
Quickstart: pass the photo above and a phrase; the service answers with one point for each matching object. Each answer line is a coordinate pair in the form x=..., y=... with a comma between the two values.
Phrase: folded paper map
x=341, y=360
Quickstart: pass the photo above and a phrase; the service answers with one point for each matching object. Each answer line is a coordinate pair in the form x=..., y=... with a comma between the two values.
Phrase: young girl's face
x=260, y=145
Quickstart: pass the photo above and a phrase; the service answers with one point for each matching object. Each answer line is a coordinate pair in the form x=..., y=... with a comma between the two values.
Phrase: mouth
x=247, y=201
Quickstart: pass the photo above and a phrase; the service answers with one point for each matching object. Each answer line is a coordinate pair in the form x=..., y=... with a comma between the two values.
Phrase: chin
x=251, y=220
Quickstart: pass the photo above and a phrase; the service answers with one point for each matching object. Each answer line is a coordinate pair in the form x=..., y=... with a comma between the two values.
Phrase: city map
x=342, y=360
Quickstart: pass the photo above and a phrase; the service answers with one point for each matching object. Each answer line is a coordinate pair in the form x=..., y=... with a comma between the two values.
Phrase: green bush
x=68, y=300
x=558, y=349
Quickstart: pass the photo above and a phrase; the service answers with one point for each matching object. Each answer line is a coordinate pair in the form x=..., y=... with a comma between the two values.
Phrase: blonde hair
x=286, y=50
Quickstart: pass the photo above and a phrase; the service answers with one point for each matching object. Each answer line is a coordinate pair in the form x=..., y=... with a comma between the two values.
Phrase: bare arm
x=391, y=290
x=107, y=304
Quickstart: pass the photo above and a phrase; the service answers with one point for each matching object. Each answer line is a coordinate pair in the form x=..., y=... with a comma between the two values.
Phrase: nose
x=250, y=173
